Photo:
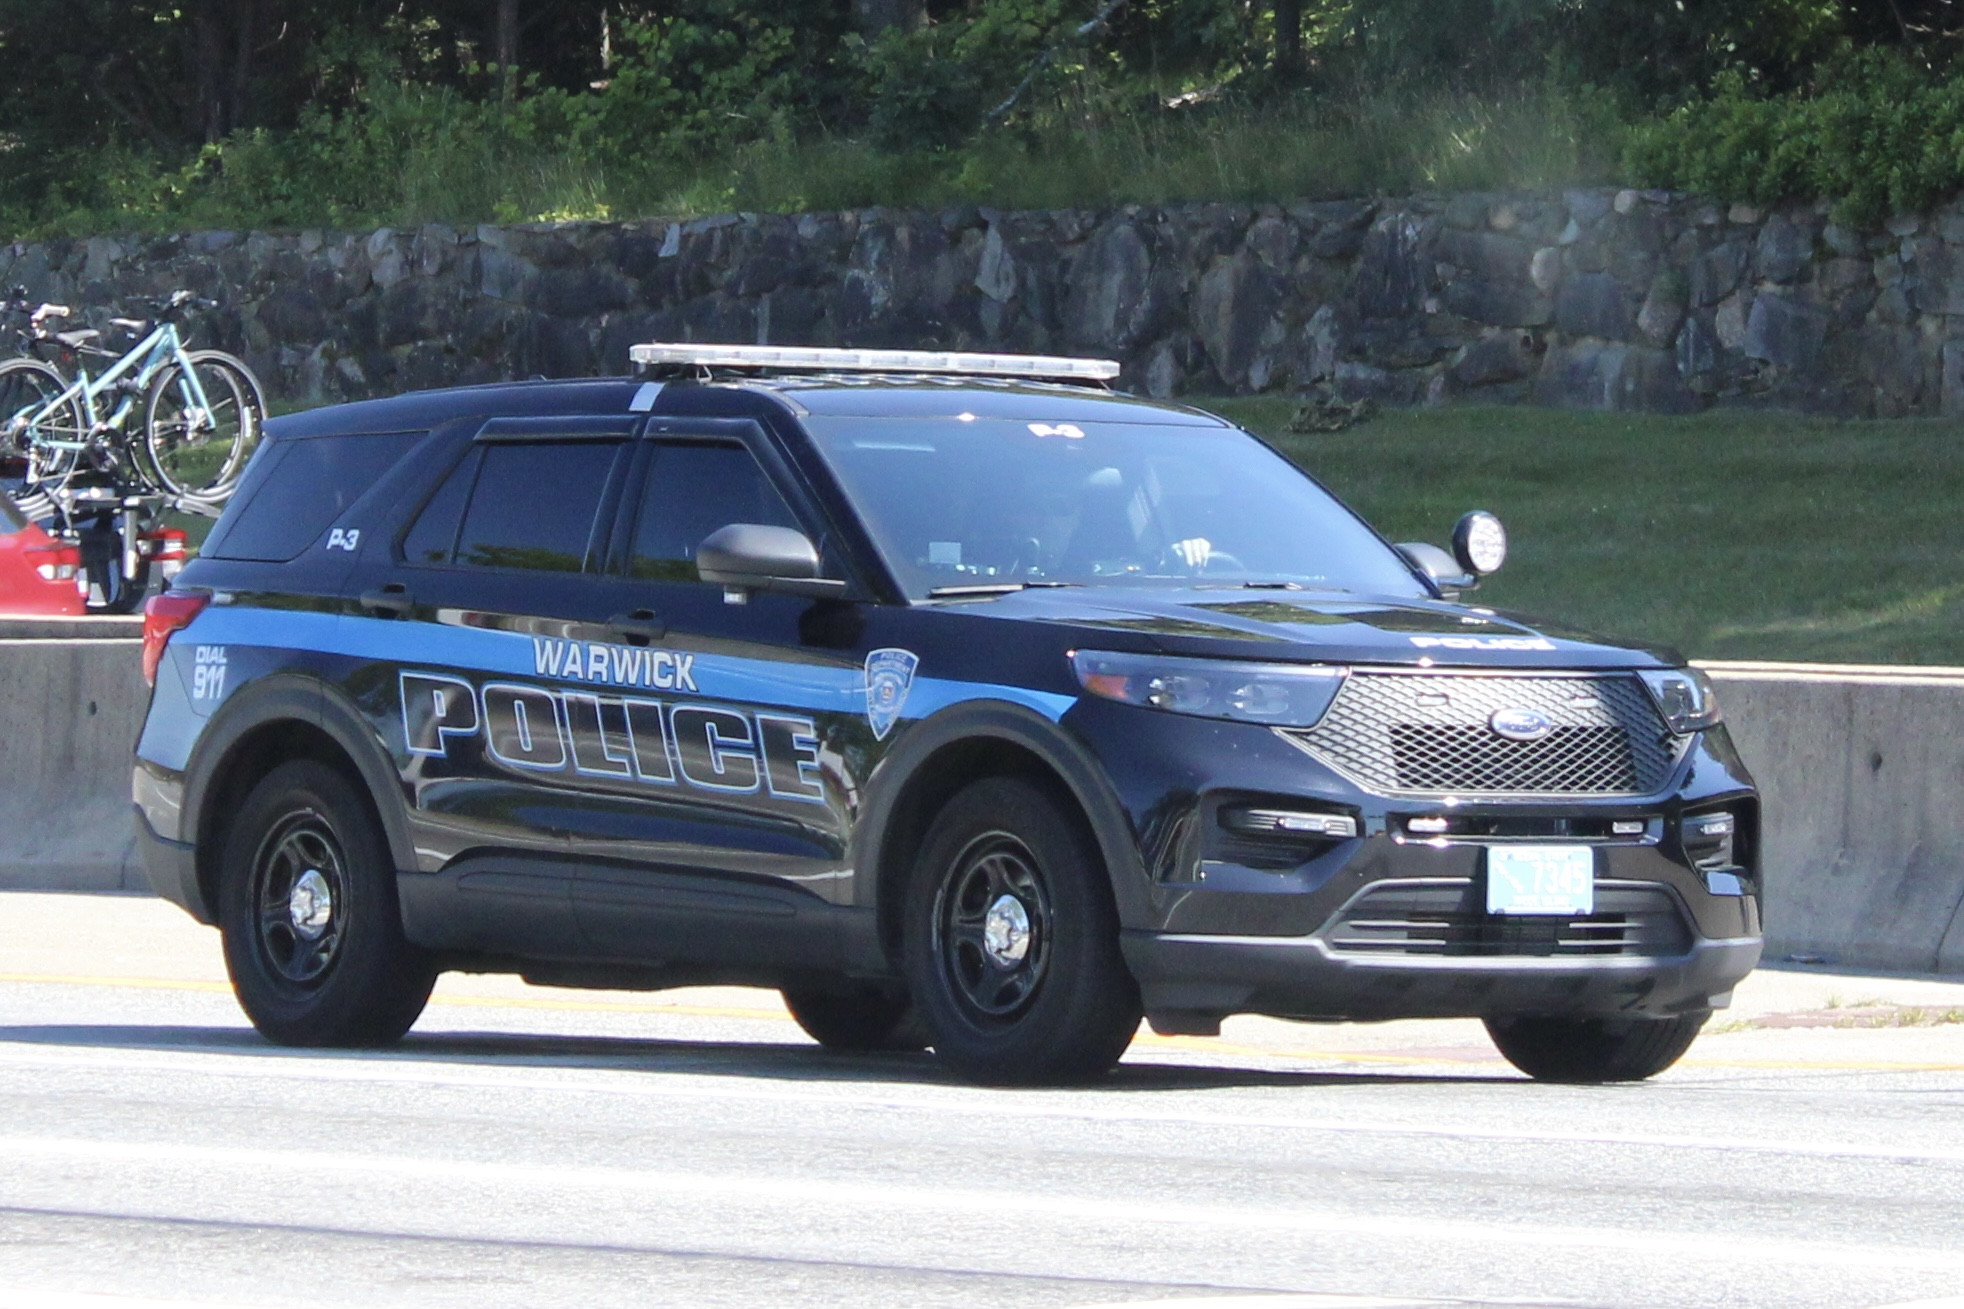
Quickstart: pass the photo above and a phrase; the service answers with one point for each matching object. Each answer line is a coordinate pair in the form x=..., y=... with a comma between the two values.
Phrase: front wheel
x=1593, y=1050
x=200, y=425
x=307, y=907
x=1011, y=937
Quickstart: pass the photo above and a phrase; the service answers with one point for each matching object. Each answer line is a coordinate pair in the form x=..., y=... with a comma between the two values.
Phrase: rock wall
x=1585, y=299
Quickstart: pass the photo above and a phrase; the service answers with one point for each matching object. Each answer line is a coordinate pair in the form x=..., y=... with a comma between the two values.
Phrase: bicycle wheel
x=255, y=410
x=40, y=433
x=198, y=428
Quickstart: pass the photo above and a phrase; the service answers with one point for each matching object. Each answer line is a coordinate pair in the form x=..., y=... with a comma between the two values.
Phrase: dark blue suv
x=967, y=702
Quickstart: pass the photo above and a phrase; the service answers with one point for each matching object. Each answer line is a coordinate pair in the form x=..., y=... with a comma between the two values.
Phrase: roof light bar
x=802, y=359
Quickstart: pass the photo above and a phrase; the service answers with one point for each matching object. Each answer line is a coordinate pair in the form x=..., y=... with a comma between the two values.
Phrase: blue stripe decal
x=816, y=688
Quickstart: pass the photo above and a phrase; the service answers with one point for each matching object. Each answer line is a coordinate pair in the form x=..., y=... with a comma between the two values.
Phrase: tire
x=859, y=1021
x=255, y=397
x=102, y=563
x=199, y=450
x=1594, y=1050
x=307, y=906
x=1011, y=941
x=27, y=388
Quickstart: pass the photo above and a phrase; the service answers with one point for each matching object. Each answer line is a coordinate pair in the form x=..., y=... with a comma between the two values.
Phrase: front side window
x=985, y=501
x=532, y=505
x=693, y=489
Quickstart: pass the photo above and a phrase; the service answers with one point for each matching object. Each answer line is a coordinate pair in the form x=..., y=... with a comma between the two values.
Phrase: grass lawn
x=1728, y=535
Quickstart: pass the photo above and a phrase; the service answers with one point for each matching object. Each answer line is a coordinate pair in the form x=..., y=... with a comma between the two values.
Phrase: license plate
x=1541, y=879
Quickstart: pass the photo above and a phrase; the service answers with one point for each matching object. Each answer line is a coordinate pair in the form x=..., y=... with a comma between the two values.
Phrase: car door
x=502, y=561
x=720, y=831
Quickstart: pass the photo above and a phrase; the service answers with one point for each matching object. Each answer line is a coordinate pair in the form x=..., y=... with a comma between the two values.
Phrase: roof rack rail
x=804, y=359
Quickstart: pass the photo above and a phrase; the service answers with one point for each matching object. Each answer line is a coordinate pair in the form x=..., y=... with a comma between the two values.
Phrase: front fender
x=995, y=720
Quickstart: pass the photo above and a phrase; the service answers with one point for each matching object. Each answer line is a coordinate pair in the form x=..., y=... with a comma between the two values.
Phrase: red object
x=39, y=575
x=167, y=548
x=163, y=616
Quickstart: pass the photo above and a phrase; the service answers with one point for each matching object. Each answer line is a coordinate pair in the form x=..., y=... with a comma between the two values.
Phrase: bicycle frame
x=147, y=358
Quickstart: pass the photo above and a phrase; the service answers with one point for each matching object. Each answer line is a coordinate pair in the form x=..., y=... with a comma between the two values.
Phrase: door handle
x=638, y=627
x=393, y=600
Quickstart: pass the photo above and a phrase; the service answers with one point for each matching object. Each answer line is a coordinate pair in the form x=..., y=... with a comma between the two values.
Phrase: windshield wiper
x=989, y=588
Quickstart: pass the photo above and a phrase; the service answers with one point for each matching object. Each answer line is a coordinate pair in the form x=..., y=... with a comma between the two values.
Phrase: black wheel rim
x=299, y=885
x=992, y=929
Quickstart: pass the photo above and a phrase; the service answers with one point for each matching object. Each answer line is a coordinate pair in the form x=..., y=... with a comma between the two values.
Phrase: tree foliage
x=291, y=111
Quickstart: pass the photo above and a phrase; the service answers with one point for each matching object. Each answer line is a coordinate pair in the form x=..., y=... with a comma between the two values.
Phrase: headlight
x=1281, y=695
x=1685, y=697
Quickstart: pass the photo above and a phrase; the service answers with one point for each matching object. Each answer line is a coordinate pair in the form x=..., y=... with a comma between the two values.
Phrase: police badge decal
x=889, y=676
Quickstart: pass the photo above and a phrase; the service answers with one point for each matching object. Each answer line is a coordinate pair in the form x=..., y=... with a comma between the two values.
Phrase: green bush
x=1877, y=135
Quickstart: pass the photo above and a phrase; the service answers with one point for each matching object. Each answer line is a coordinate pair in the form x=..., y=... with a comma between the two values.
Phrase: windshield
x=956, y=502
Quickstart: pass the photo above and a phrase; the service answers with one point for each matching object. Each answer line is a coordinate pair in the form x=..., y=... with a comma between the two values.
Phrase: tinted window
x=691, y=491
x=534, y=505
x=295, y=490
x=434, y=535
x=10, y=519
x=955, y=503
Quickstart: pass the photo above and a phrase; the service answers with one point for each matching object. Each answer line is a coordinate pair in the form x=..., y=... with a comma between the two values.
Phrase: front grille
x=1447, y=916
x=1428, y=734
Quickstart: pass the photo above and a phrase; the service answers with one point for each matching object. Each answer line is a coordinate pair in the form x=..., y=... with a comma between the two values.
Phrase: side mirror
x=1479, y=548
x=1446, y=573
x=754, y=557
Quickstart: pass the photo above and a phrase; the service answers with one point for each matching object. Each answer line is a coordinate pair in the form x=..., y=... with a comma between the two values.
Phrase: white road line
x=832, y=1195
x=26, y=1297
x=1276, y=1300
x=659, y=1084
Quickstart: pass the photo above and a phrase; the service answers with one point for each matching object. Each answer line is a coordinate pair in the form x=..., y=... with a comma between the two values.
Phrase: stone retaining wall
x=1586, y=299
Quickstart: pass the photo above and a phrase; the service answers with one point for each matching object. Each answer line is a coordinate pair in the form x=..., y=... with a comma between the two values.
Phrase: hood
x=1232, y=622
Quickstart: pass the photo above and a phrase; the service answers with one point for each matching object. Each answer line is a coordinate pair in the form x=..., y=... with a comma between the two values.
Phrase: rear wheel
x=307, y=905
x=40, y=434
x=859, y=1020
x=1591, y=1050
x=1012, y=941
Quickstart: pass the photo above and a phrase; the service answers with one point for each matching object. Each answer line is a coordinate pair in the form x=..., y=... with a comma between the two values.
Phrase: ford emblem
x=1520, y=724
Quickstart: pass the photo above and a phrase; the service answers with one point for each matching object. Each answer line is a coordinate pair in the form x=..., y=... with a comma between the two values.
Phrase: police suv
x=965, y=701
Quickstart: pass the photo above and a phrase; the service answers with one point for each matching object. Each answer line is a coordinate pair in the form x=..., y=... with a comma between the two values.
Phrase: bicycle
x=202, y=409
x=78, y=463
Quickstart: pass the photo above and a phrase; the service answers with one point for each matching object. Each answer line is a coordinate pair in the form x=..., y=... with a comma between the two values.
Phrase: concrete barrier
x=70, y=710
x=1862, y=771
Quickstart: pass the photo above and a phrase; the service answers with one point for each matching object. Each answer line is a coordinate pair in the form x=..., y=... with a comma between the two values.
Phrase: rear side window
x=533, y=505
x=691, y=491
x=295, y=489
x=10, y=519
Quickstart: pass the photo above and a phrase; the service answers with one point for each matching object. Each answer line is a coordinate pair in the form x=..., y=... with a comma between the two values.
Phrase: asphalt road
x=538, y=1148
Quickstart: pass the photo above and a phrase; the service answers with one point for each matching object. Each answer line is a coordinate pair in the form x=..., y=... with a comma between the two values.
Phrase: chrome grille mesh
x=1428, y=734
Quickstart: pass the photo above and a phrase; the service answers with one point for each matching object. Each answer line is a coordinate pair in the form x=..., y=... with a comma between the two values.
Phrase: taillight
x=57, y=563
x=167, y=548
x=164, y=615
x=165, y=543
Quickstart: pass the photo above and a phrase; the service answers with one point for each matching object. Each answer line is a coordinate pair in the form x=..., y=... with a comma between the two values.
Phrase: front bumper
x=1300, y=977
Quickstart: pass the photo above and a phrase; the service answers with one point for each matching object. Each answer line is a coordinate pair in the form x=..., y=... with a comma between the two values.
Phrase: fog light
x=1708, y=840
x=1289, y=822
x=1427, y=826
